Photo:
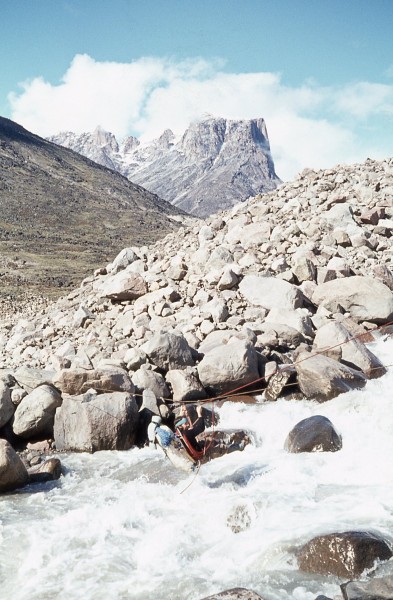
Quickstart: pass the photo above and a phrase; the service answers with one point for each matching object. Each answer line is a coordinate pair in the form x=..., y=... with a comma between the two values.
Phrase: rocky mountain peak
x=203, y=139
x=103, y=138
x=215, y=164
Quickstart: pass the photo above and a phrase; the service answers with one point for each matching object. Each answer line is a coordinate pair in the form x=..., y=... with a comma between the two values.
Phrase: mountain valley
x=62, y=215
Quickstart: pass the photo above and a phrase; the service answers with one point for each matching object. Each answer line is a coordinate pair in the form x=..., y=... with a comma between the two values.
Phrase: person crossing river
x=190, y=430
x=185, y=428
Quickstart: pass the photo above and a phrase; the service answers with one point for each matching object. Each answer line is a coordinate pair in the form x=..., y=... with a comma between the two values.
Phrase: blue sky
x=319, y=71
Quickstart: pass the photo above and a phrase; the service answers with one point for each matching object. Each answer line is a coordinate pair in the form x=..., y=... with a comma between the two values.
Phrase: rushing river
x=127, y=525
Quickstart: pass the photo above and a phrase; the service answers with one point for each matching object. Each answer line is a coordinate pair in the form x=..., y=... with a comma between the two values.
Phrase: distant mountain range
x=214, y=165
x=62, y=215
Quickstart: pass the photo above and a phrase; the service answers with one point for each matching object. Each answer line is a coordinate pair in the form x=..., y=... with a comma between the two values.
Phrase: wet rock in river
x=49, y=470
x=219, y=443
x=345, y=554
x=315, y=434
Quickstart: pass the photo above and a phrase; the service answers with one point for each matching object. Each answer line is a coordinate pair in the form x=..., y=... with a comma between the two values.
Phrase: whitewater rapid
x=127, y=525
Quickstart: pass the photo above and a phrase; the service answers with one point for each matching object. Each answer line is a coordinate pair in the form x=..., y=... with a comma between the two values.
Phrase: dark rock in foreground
x=345, y=554
x=49, y=470
x=218, y=443
x=315, y=434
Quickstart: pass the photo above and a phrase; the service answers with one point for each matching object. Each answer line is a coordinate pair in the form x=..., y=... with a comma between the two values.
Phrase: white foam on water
x=127, y=525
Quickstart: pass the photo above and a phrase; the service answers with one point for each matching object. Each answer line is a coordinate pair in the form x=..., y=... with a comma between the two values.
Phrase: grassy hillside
x=61, y=215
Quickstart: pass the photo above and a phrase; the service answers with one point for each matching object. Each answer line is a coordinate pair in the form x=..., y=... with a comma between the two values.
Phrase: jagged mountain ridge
x=214, y=165
x=62, y=215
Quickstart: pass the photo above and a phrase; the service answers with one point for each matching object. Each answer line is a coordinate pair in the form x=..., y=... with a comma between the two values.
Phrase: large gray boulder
x=78, y=381
x=345, y=554
x=168, y=351
x=34, y=416
x=353, y=352
x=365, y=298
x=219, y=337
x=13, y=473
x=146, y=379
x=314, y=434
x=96, y=422
x=125, y=285
x=298, y=319
x=322, y=378
x=7, y=407
x=228, y=367
x=270, y=292
x=185, y=384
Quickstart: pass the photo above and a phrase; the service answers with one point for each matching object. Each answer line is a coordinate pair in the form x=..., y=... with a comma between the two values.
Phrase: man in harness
x=190, y=430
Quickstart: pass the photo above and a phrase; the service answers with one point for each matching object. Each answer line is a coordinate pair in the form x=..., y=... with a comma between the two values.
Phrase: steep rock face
x=215, y=164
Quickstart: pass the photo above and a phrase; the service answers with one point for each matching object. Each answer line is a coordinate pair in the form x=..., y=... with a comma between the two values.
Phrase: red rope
x=196, y=454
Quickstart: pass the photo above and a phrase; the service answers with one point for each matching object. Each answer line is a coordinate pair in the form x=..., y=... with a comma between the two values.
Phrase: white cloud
x=309, y=126
x=363, y=99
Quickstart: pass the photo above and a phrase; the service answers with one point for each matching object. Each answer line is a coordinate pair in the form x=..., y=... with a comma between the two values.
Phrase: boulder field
x=278, y=296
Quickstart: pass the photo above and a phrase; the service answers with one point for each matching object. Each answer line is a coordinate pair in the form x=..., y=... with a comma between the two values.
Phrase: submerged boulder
x=314, y=434
x=49, y=470
x=219, y=443
x=345, y=554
